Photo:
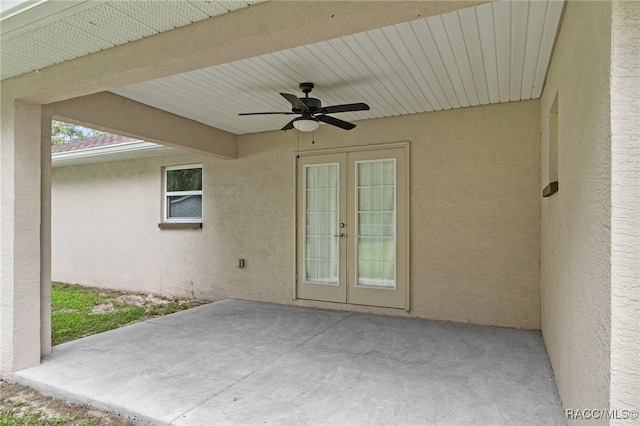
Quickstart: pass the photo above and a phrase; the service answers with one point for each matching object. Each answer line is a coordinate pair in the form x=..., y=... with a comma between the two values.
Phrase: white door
x=352, y=226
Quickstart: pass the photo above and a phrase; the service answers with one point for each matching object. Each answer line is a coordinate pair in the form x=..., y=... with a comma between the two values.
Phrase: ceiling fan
x=312, y=112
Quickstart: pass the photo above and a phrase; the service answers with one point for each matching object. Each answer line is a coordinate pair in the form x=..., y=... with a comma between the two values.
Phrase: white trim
x=296, y=274
x=123, y=151
x=31, y=14
x=166, y=194
x=186, y=166
x=100, y=150
x=9, y=8
x=407, y=206
x=373, y=147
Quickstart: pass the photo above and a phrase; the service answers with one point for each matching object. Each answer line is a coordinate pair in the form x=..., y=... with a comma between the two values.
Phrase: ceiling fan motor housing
x=312, y=104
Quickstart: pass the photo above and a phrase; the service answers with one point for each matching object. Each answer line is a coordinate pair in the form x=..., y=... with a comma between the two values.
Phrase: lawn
x=76, y=312
x=22, y=406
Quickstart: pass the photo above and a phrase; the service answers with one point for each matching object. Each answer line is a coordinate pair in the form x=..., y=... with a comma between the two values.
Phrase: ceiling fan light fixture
x=306, y=125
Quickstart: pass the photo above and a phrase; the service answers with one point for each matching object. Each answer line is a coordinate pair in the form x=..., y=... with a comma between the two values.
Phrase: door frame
x=407, y=182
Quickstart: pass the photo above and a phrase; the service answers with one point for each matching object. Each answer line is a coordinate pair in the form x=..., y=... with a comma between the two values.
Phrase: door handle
x=343, y=235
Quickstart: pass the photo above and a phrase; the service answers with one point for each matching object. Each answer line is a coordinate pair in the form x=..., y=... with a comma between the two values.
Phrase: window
x=183, y=194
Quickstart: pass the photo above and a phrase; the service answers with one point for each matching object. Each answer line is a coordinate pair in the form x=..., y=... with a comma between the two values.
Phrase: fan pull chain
x=313, y=137
x=298, y=144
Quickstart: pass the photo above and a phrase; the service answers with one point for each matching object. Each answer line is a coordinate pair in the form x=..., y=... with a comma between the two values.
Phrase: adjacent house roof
x=107, y=139
x=106, y=147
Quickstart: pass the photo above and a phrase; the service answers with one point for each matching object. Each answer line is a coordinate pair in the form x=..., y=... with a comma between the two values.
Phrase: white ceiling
x=40, y=33
x=496, y=52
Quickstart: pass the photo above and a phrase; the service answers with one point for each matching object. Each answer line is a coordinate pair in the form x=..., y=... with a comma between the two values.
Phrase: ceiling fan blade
x=335, y=122
x=345, y=108
x=289, y=125
x=263, y=113
x=293, y=99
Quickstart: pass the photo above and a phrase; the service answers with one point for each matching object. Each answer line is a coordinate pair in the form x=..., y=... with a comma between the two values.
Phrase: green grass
x=35, y=417
x=72, y=314
x=31, y=417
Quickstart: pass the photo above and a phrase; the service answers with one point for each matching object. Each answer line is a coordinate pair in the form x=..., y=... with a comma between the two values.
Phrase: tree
x=62, y=132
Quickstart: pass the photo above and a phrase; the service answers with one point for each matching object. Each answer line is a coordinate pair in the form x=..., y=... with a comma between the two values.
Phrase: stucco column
x=45, y=235
x=625, y=210
x=20, y=238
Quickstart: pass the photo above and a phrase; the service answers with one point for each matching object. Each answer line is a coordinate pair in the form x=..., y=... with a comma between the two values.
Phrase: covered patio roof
x=418, y=57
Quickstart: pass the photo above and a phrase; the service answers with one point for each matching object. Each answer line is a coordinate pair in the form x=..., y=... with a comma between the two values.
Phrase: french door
x=352, y=226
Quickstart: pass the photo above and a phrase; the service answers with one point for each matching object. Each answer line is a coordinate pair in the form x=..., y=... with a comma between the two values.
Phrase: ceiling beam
x=263, y=28
x=116, y=114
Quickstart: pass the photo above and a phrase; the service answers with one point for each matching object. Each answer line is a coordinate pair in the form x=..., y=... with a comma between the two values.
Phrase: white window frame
x=166, y=194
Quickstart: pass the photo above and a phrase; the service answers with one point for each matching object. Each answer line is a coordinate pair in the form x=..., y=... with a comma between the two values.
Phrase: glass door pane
x=376, y=223
x=321, y=224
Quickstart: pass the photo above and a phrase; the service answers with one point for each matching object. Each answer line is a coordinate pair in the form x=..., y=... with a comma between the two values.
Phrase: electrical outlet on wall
x=240, y=263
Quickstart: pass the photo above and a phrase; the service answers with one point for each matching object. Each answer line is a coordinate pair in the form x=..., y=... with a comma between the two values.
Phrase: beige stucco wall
x=576, y=239
x=475, y=217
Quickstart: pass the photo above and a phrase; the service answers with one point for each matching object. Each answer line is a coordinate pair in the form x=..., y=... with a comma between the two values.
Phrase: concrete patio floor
x=243, y=362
